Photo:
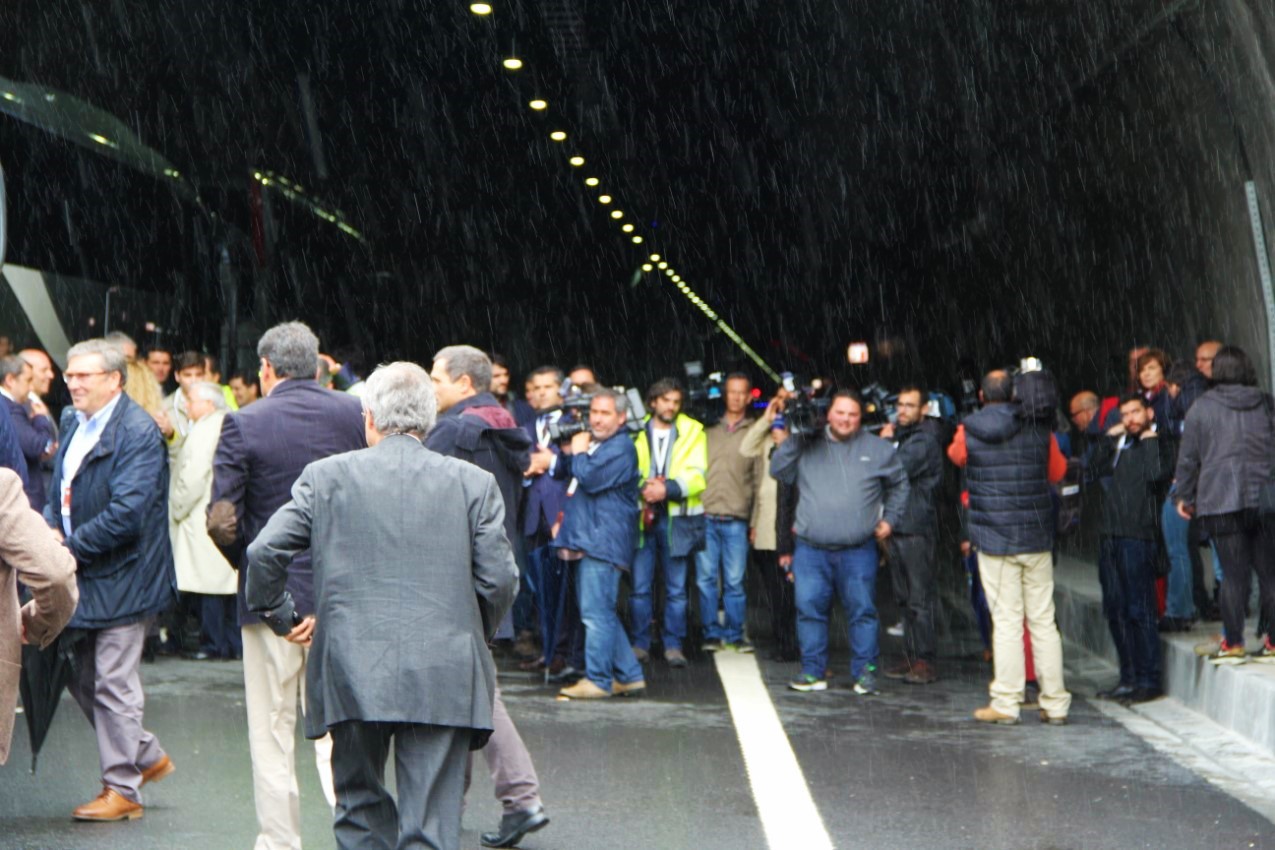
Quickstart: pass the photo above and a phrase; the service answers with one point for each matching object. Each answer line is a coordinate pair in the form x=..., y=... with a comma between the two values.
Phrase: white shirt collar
x=7, y=394
x=97, y=420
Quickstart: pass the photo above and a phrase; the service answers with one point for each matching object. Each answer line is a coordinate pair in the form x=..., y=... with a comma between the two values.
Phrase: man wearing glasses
x=111, y=512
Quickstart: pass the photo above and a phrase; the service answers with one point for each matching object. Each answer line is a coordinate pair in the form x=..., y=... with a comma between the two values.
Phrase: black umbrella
x=45, y=673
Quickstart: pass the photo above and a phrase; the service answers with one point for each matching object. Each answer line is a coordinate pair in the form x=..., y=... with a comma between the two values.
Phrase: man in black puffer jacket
x=1010, y=464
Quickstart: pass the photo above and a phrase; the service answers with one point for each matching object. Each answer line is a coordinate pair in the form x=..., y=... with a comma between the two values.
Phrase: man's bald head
x=1084, y=406
x=1204, y=354
x=997, y=387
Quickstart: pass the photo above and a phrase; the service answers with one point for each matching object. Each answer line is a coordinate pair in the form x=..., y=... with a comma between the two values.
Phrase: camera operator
x=673, y=460
x=853, y=489
x=599, y=530
x=910, y=548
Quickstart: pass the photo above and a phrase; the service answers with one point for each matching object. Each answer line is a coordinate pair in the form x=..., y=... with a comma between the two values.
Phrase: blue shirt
x=86, y=436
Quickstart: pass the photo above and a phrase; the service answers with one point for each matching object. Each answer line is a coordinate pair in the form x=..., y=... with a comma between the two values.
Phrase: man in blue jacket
x=111, y=510
x=36, y=435
x=599, y=530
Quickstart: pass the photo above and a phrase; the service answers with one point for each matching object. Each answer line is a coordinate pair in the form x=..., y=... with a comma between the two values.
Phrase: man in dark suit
x=542, y=512
x=262, y=450
x=34, y=430
x=413, y=570
x=111, y=472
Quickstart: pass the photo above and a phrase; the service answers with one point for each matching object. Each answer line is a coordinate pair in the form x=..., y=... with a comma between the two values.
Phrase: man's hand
x=39, y=408
x=541, y=460
x=887, y=431
x=580, y=442
x=775, y=407
x=1148, y=435
x=22, y=633
x=302, y=632
x=752, y=536
x=165, y=424
x=883, y=530
x=1116, y=430
x=966, y=548
x=1186, y=511
x=785, y=564
x=654, y=491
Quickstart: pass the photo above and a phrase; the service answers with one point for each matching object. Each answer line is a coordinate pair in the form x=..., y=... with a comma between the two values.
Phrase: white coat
x=201, y=568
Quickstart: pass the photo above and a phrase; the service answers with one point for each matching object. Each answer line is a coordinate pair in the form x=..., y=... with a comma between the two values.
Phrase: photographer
x=911, y=548
x=599, y=531
x=853, y=493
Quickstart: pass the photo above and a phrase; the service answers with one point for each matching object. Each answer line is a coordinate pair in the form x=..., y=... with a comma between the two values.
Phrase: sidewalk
x=1240, y=698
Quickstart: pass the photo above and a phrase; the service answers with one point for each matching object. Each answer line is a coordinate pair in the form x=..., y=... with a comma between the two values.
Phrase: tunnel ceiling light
x=628, y=228
x=480, y=8
x=539, y=105
x=646, y=267
x=655, y=258
x=591, y=181
x=513, y=63
x=637, y=240
x=617, y=214
x=668, y=272
x=577, y=161
x=663, y=265
x=558, y=136
x=677, y=278
x=102, y=140
x=604, y=199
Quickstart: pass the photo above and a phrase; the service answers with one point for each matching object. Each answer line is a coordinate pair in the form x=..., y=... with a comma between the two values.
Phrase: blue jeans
x=607, y=654
x=1179, y=601
x=1126, y=571
x=852, y=573
x=725, y=544
x=655, y=547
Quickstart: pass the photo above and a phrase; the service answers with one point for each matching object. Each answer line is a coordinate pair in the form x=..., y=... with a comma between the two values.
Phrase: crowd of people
x=200, y=524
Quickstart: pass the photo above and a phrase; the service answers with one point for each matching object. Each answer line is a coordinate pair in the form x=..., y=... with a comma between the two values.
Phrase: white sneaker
x=896, y=630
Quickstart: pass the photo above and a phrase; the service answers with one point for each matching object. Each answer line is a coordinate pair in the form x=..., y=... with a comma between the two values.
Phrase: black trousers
x=429, y=771
x=1244, y=544
x=779, y=601
x=911, y=558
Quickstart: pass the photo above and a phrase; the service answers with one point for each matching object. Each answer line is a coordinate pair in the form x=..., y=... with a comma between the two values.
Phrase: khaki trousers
x=274, y=681
x=1018, y=587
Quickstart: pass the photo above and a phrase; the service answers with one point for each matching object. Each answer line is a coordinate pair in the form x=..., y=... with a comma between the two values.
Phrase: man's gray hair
x=620, y=399
x=12, y=366
x=467, y=360
x=209, y=391
x=292, y=349
x=121, y=339
x=113, y=359
x=400, y=397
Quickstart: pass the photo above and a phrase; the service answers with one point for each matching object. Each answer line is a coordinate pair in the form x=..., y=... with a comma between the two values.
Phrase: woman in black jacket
x=1223, y=464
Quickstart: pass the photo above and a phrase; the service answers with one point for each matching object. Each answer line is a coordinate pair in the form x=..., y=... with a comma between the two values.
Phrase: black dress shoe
x=1141, y=695
x=1119, y=692
x=514, y=827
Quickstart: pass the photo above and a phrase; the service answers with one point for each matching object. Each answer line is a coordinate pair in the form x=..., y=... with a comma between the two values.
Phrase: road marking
x=788, y=812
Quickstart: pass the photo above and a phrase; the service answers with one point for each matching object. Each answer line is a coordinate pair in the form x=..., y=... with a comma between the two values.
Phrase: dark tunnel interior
x=957, y=184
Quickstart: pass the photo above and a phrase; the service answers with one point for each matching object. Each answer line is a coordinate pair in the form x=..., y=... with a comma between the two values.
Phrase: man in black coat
x=474, y=427
x=1140, y=463
x=262, y=450
x=111, y=472
x=910, y=548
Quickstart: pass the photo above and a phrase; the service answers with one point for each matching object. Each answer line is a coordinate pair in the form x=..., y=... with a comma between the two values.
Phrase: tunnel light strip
x=296, y=193
x=576, y=160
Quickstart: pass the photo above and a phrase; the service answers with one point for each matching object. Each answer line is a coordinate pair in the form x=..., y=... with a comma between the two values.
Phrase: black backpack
x=1036, y=395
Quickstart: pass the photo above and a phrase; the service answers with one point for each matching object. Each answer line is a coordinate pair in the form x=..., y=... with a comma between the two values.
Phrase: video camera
x=575, y=411
x=704, y=399
x=805, y=411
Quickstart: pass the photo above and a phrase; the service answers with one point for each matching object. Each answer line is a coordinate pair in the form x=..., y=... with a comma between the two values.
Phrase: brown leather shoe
x=987, y=714
x=584, y=689
x=109, y=806
x=899, y=670
x=158, y=770
x=631, y=689
x=922, y=673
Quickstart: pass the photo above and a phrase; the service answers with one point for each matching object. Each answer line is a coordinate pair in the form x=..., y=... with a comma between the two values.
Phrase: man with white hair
x=410, y=556
x=262, y=450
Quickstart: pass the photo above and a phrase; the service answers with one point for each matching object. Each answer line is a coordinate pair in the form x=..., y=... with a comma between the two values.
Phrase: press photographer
x=853, y=493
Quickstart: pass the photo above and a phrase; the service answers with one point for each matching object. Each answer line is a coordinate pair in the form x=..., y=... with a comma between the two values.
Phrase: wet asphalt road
x=905, y=769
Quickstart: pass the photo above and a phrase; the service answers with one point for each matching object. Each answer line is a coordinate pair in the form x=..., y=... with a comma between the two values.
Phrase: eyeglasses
x=74, y=377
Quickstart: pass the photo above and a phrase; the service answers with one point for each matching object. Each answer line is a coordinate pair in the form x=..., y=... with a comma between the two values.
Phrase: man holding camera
x=599, y=532
x=673, y=460
x=911, y=547
x=853, y=494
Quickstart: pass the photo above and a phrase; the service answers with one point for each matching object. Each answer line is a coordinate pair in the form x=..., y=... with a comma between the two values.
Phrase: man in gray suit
x=412, y=574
